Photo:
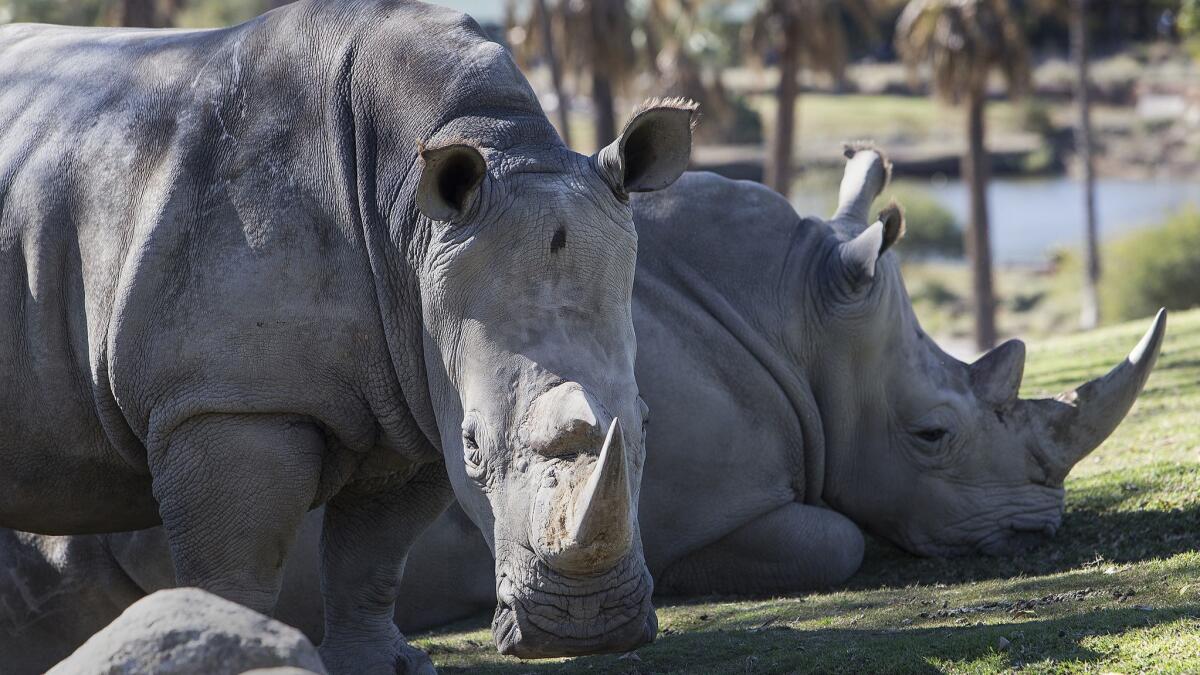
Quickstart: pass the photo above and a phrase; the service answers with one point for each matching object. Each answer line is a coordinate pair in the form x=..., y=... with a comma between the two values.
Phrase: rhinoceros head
x=939, y=456
x=526, y=292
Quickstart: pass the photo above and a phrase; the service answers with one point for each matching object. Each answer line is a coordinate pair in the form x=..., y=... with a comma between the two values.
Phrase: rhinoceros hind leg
x=232, y=490
x=364, y=544
x=793, y=549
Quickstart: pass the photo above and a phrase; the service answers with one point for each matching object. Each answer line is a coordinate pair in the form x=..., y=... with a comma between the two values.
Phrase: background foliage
x=1154, y=268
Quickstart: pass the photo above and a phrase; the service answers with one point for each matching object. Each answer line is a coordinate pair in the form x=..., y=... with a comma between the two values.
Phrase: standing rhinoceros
x=336, y=255
x=787, y=373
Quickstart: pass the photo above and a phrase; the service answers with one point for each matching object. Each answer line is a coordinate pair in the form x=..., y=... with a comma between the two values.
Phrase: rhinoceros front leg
x=792, y=549
x=366, y=537
x=232, y=490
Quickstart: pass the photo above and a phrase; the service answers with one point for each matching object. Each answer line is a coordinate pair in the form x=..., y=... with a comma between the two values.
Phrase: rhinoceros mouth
x=994, y=531
x=541, y=613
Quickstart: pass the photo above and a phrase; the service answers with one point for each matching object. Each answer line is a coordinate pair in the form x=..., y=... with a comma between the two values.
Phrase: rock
x=187, y=631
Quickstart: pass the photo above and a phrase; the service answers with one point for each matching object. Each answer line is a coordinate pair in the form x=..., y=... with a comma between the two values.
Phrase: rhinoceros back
x=720, y=298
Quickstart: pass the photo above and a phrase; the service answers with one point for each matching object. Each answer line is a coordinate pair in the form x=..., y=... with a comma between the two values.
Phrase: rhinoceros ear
x=859, y=256
x=654, y=148
x=450, y=181
x=996, y=376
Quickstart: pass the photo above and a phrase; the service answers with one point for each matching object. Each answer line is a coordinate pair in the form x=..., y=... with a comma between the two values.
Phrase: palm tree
x=147, y=13
x=963, y=41
x=686, y=51
x=591, y=38
x=1090, y=315
x=529, y=46
x=611, y=57
x=138, y=14
x=802, y=33
x=551, y=55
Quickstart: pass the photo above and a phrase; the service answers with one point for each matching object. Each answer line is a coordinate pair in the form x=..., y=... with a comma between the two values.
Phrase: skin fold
x=795, y=402
x=338, y=257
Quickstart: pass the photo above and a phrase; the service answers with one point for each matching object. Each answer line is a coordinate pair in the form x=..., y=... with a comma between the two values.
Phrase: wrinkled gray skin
x=795, y=400
x=336, y=255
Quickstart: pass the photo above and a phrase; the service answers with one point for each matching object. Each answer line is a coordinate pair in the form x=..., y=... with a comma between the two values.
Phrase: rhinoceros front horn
x=1076, y=422
x=601, y=517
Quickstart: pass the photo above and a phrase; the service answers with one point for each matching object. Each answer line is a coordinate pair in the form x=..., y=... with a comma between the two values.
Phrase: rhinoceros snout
x=549, y=615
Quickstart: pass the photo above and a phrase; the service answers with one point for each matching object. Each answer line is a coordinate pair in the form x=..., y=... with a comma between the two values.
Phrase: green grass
x=1118, y=590
x=824, y=121
x=1030, y=302
x=828, y=119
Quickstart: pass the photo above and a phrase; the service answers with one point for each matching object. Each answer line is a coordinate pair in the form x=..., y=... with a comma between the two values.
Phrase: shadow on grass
x=1093, y=532
x=838, y=650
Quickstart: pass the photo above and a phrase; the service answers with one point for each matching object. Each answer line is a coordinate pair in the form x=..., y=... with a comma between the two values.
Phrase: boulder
x=188, y=631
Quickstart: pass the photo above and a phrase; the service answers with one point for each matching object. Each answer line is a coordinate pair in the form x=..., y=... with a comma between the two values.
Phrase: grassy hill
x=1117, y=590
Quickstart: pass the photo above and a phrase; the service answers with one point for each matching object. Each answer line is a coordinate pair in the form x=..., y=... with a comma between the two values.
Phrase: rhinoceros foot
x=396, y=657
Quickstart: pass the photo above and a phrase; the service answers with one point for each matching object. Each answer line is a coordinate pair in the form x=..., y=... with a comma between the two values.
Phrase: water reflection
x=1031, y=217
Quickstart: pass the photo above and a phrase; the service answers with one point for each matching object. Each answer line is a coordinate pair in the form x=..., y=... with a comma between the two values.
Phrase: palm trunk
x=1090, y=314
x=551, y=55
x=138, y=14
x=779, y=167
x=978, y=244
x=172, y=9
x=602, y=91
x=606, y=118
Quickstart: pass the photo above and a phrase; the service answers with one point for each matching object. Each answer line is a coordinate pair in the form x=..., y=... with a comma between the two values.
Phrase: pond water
x=1032, y=217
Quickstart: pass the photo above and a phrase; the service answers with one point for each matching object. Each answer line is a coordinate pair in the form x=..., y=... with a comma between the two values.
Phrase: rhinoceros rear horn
x=654, y=148
x=996, y=376
x=1077, y=422
x=450, y=181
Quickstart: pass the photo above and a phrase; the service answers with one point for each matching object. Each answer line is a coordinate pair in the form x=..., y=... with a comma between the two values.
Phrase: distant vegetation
x=931, y=230
x=184, y=13
x=1154, y=268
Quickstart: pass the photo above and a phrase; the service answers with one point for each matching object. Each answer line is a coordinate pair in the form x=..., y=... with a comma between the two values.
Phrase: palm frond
x=962, y=42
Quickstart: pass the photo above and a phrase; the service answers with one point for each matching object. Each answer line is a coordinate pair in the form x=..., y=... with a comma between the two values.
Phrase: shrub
x=931, y=231
x=1035, y=118
x=935, y=292
x=1152, y=268
x=747, y=123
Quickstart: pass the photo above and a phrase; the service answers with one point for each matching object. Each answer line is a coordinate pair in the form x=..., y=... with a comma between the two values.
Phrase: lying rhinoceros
x=796, y=399
x=336, y=255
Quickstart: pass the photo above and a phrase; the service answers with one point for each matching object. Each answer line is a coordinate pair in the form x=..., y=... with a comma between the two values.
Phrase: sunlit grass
x=825, y=118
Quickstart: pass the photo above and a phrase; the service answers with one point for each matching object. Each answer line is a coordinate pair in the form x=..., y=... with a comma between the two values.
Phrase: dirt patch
x=1022, y=605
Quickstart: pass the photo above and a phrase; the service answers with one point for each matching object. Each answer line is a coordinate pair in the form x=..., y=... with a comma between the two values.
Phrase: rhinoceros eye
x=932, y=435
x=472, y=453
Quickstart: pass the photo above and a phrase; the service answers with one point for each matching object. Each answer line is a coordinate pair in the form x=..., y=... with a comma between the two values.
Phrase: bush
x=1158, y=267
x=747, y=126
x=1035, y=118
x=931, y=231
